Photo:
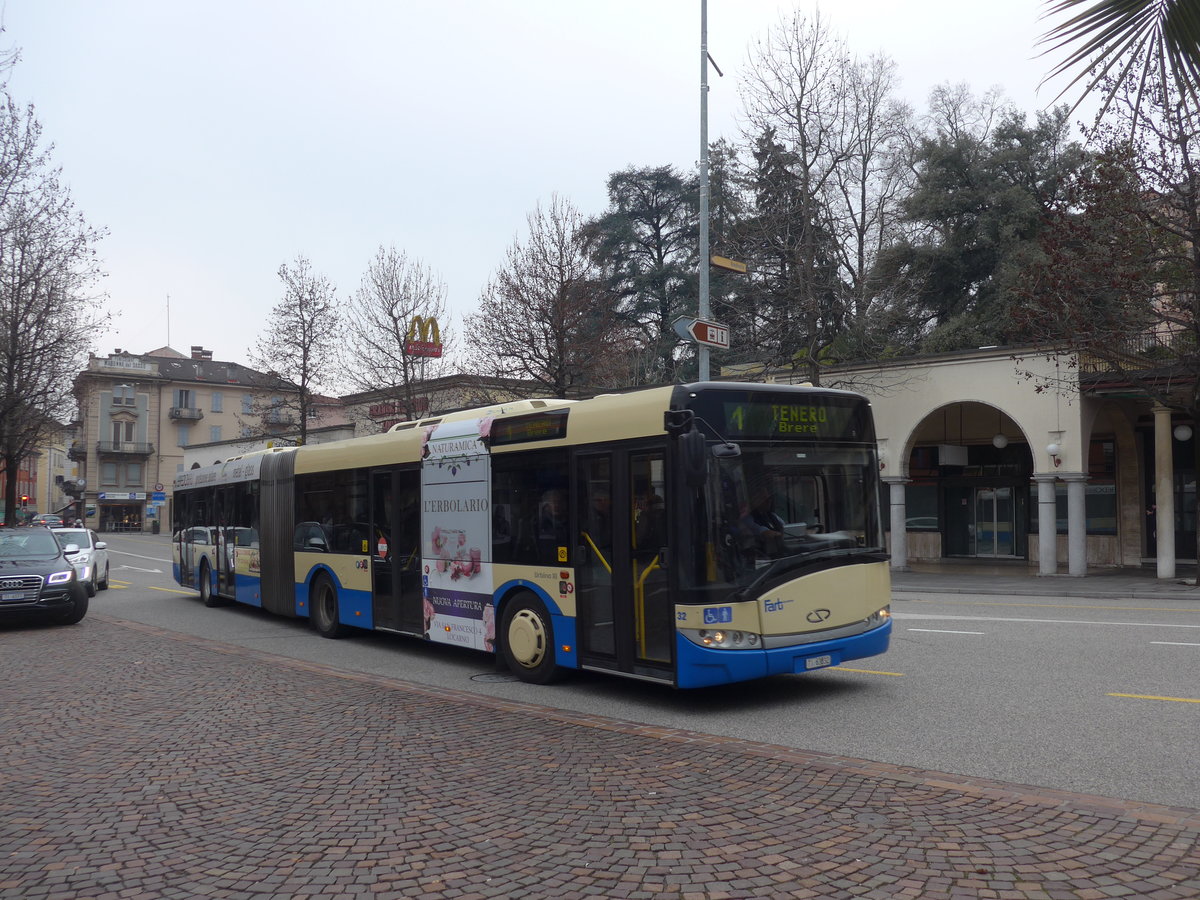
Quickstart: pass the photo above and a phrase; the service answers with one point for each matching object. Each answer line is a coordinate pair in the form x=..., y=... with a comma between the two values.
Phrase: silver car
x=90, y=561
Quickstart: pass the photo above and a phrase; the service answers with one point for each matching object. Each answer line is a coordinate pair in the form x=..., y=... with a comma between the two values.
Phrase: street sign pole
x=702, y=353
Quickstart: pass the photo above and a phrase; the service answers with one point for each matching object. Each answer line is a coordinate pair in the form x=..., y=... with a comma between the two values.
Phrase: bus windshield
x=774, y=509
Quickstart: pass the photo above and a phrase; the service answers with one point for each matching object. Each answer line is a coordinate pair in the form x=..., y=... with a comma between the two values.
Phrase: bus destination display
x=523, y=429
x=793, y=419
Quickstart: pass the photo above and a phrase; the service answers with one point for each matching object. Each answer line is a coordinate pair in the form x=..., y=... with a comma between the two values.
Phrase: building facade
x=1011, y=454
x=138, y=414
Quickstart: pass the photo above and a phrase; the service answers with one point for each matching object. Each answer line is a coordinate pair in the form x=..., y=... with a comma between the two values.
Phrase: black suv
x=37, y=579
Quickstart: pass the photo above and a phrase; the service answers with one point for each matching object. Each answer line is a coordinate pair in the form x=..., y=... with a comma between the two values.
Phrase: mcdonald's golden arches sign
x=424, y=337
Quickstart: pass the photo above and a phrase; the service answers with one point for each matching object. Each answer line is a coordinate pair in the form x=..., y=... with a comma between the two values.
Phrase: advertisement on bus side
x=456, y=537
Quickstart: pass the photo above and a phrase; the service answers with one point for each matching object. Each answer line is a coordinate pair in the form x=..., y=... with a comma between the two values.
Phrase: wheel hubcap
x=527, y=639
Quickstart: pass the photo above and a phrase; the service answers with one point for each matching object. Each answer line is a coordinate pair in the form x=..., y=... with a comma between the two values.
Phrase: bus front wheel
x=324, y=604
x=527, y=640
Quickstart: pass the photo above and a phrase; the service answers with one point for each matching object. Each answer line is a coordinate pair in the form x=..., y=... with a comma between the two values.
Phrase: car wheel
x=527, y=640
x=206, y=591
x=103, y=583
x=91, y=586
x=77, y=611
x=324, y=605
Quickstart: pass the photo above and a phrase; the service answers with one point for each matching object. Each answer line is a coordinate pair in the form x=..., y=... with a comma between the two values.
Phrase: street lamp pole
x=702, y=352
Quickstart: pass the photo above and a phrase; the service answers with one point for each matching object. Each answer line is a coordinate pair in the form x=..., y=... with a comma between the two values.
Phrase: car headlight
x=61, y=577
x=723, y=638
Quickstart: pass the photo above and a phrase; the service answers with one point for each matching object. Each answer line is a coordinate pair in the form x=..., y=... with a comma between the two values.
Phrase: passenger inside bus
x=650, y=522
x=551, y=525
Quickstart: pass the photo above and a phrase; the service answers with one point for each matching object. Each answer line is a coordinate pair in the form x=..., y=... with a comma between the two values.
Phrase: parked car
x=37, y=579
x=90, y=561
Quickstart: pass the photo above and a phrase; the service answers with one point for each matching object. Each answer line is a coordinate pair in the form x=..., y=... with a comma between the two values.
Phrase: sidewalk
x=140, y=763
x=1019, y=579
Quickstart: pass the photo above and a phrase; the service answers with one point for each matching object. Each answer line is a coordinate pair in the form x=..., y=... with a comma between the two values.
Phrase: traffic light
x=24, y=501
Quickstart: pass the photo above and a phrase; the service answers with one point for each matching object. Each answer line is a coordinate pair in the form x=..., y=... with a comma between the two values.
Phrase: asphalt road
x=1098, y=696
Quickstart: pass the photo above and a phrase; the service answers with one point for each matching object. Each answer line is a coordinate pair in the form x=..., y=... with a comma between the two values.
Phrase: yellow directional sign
x=732, y=265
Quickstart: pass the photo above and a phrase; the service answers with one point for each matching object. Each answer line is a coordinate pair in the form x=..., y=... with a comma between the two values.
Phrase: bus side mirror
x=694, y=457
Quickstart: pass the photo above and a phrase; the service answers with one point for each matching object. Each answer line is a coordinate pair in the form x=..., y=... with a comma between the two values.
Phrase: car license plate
x=12, y=595
x=818, y=662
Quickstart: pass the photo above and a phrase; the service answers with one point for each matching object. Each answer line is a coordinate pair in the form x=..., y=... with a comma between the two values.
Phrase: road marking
x=1153, y=697
x=139, y=569
x=1175, y=644
x=869, y=671
x=170, y=590
x=903, y=615
x=139, y=556
x=1175, y=609
x=944, y=631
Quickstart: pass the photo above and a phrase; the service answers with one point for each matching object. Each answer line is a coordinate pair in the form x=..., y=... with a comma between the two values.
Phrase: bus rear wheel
x=324, y=605
x=206, y=592
x=527, y=640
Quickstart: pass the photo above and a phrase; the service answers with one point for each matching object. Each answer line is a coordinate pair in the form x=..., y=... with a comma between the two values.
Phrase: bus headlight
x=879, y=617
x=723, y=638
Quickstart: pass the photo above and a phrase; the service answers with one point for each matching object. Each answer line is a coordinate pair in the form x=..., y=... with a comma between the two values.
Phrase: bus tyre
x=527, y=640
x=324, y=600
x=206, y=591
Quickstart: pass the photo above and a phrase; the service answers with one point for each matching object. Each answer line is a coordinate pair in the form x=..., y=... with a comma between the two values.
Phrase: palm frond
x=1109, y=38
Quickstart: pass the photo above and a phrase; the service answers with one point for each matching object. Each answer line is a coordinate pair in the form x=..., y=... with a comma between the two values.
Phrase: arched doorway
x=970, y=472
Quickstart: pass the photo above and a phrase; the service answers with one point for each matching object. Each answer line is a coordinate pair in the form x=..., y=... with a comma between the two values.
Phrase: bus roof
x=600, y=419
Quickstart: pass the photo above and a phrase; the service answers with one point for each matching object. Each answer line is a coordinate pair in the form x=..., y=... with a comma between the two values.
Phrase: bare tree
x=397, y=297
x=831, y=146
x=48, y=313
x=545, y=317
x=298, y=351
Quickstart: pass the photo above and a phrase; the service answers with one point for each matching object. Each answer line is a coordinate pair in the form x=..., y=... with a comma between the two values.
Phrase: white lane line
x=1165, y=643
x=904, y=615
x=943, y=631
x=139, y=556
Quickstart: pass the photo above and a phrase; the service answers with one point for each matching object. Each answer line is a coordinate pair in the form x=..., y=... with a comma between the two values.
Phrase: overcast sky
x=217, y=140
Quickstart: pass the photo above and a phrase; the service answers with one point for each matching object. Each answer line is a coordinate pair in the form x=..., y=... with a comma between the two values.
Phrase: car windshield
x=28, y=545
x=73, y=536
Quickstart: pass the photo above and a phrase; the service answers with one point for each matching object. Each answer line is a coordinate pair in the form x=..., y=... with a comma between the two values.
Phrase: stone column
x=1164, y=492
x=1076, y=523
x=899, y=528
x=1047, y=525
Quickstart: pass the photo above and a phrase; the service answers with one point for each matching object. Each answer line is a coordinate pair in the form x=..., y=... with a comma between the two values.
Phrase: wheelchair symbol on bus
x=718, y=616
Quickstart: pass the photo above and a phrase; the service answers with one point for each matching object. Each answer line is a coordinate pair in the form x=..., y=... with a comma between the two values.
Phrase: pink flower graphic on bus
x=429, y=613
x=489, y=627
x=452, y=556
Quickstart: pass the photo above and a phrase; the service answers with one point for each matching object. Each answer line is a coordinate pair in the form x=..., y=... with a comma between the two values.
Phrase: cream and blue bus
x=690, y=535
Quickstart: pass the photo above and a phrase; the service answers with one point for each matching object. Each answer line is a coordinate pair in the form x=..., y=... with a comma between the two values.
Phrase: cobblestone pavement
x=138, y=763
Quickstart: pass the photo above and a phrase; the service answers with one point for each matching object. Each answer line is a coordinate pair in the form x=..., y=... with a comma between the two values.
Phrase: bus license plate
x=818, y=662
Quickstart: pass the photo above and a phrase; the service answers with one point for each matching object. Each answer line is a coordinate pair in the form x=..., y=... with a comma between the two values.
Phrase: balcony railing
x=133, y=448
x=77, y=452
x=186, y=412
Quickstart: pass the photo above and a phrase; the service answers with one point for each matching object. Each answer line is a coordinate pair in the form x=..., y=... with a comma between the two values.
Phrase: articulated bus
x=691, y=535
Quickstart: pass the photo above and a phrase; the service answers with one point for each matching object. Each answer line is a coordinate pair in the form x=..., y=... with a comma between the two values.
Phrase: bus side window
x=531, y=489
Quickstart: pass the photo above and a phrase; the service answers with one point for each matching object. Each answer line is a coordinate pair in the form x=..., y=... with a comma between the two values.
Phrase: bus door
x=623, y=602
x=223, y=538
x=396, y=550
